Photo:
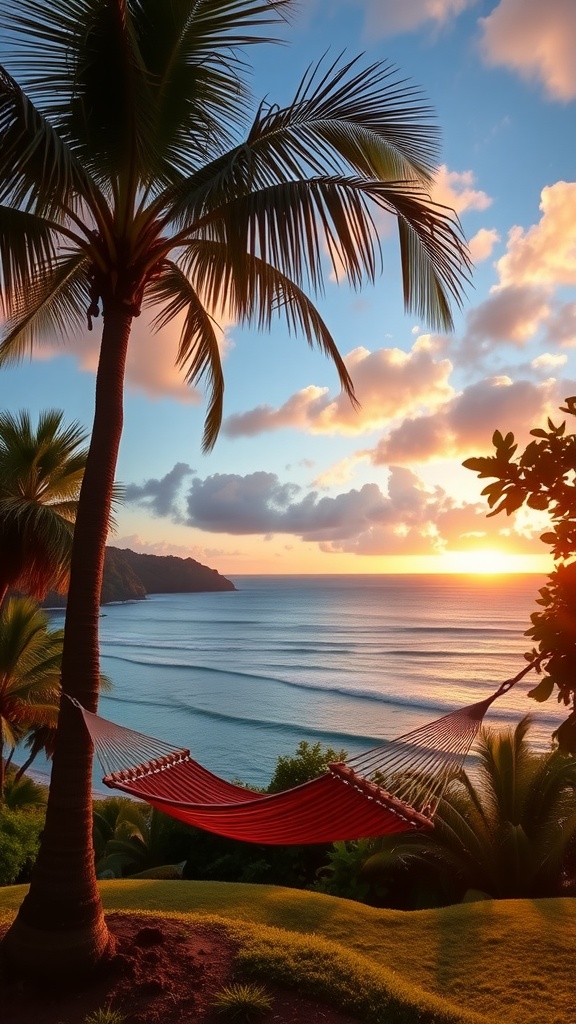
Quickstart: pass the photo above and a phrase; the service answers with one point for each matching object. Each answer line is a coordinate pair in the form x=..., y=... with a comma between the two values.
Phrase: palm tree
x=131, y=173
x=40, y=476
x=130, y=837
x=506, y=830
x=30, y=655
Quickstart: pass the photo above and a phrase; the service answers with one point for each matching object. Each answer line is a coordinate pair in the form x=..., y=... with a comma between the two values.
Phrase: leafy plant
x=242, y=1002
x=507, y=830
x=309, y=761
x=20, y=831
x=543, y=477
x=23, y=792
x=342, y=876
x=105, y=1016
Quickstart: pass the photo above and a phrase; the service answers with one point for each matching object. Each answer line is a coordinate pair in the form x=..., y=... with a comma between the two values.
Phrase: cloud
x=159, y=496
x=455, y=189
x=388, y=17
x=482, y=243
x=464, y=426
x=161, y=547
x=151, y=361
x=408, y=517
x=535, y=39
x=548, y=361
x=510, y=316
x=561, y=327
x=339, y=473
x=545, y=254
x=389, y=383
x=538, y=261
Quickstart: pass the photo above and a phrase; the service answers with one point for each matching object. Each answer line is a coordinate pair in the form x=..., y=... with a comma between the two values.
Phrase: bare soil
x=163, y=972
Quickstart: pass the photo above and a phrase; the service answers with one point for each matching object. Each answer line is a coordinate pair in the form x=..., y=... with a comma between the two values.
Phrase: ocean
x=242, y=677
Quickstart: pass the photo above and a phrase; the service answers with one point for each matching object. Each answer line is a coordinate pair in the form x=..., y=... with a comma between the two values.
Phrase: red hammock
x=392, y=788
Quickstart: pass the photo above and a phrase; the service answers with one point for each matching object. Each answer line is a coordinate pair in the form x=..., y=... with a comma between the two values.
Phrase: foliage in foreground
x=542, y=477
x=504, y=829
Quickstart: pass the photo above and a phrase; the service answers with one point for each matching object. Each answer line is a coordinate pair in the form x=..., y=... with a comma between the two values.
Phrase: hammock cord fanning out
x=392, y=788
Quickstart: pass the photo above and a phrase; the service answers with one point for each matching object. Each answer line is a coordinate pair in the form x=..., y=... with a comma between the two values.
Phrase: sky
x=299, y=481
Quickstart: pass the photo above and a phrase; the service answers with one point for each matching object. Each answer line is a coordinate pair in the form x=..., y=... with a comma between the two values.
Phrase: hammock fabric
x=392, y=788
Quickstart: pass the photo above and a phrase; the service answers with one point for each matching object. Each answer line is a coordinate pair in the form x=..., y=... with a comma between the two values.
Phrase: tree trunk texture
x=60, y=930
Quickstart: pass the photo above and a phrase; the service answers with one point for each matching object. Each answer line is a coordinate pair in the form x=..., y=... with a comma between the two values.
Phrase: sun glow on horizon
x=486, y=561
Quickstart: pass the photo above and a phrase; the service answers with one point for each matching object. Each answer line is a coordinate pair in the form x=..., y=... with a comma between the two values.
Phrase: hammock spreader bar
x=392, y=788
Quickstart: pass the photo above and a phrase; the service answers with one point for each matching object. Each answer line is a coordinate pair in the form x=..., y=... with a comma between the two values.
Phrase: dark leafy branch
x=543, y=477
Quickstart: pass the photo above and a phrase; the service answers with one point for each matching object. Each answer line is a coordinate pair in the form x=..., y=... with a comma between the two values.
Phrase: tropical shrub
x=505, y=829
x=20, y=831
x=22, y=792
x=309, y=761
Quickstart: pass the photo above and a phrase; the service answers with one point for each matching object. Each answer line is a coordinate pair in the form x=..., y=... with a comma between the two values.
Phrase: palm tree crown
x=30, y=655
x=122, y=179
x=132, y=173
x=40, y=476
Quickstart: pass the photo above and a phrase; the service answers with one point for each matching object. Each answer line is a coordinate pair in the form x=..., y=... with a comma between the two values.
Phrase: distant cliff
x=129, y=576
x=166, y=574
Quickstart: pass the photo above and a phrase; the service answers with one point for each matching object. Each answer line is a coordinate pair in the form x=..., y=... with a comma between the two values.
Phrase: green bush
x=20, y=832
x=309, y=761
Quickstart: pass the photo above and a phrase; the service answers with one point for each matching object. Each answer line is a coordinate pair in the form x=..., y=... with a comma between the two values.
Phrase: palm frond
x=434, y=256
x=198, y=351
x=27, y=251
x=192, y=54
x=294, y=225
x=53, y=304
x=254, y=292
x=349, y=119
x=38, y=170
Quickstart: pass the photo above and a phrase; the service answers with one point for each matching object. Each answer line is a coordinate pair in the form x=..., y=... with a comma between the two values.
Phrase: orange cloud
x=545, y=254
x=388, y=17
x=535, y=39
x=151, y=361
x=482, y=244
x=468, y=421
x=389, y=383
x=455, y=189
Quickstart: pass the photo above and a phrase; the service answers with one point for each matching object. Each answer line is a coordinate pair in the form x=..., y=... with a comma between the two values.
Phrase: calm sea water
x=242, y=677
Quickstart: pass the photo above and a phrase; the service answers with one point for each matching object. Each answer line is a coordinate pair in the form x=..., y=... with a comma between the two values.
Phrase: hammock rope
x=394, y=787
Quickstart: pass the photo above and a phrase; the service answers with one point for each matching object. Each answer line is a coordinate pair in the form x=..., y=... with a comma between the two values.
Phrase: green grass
x=476, y=963
x=242, y=1002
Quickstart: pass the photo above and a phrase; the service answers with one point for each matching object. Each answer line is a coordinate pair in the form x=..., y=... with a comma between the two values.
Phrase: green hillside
x=476, y=963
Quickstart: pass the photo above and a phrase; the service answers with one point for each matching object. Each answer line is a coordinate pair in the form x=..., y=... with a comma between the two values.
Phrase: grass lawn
x=476, y=963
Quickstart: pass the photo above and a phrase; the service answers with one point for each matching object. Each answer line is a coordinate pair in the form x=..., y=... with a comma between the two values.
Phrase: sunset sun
x=486, y=561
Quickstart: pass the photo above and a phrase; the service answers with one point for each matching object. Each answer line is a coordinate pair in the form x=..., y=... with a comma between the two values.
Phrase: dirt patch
x=164, y=972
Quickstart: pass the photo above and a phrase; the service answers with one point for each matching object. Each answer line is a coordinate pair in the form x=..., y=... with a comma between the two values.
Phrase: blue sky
x=298, y=481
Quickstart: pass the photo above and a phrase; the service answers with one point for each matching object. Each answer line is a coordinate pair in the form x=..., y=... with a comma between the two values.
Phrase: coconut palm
x=506, y=830
x=130, y=837
x=30, y=655
x=135, y=171
x=40, y=476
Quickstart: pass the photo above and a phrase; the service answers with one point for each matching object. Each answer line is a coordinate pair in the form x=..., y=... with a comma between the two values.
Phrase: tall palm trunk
x=60, y=927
